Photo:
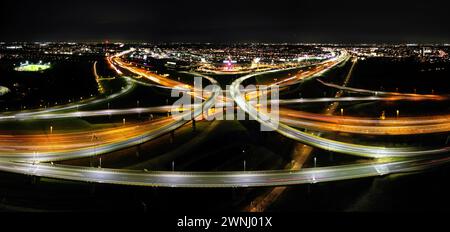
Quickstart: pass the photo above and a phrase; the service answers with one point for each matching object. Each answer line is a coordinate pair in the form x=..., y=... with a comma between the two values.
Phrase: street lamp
x=383, y=115
x=94, y=140
x=34, y=157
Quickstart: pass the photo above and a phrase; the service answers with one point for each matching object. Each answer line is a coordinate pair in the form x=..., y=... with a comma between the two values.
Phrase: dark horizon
x=200, y=21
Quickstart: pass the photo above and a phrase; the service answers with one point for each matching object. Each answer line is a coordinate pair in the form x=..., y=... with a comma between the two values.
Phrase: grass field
x=3, y=90
x=32, y=68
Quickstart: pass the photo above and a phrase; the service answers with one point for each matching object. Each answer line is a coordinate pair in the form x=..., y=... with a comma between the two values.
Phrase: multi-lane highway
x=222, y=179
x=406, y=159
x=317, y=141
x=411, y=96
x=53, y=146
x=364, y=125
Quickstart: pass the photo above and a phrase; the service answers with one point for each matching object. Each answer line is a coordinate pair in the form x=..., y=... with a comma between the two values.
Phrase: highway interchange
x=32, y=157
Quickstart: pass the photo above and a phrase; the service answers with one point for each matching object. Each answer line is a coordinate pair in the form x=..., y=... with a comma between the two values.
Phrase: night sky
x=226, y=21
